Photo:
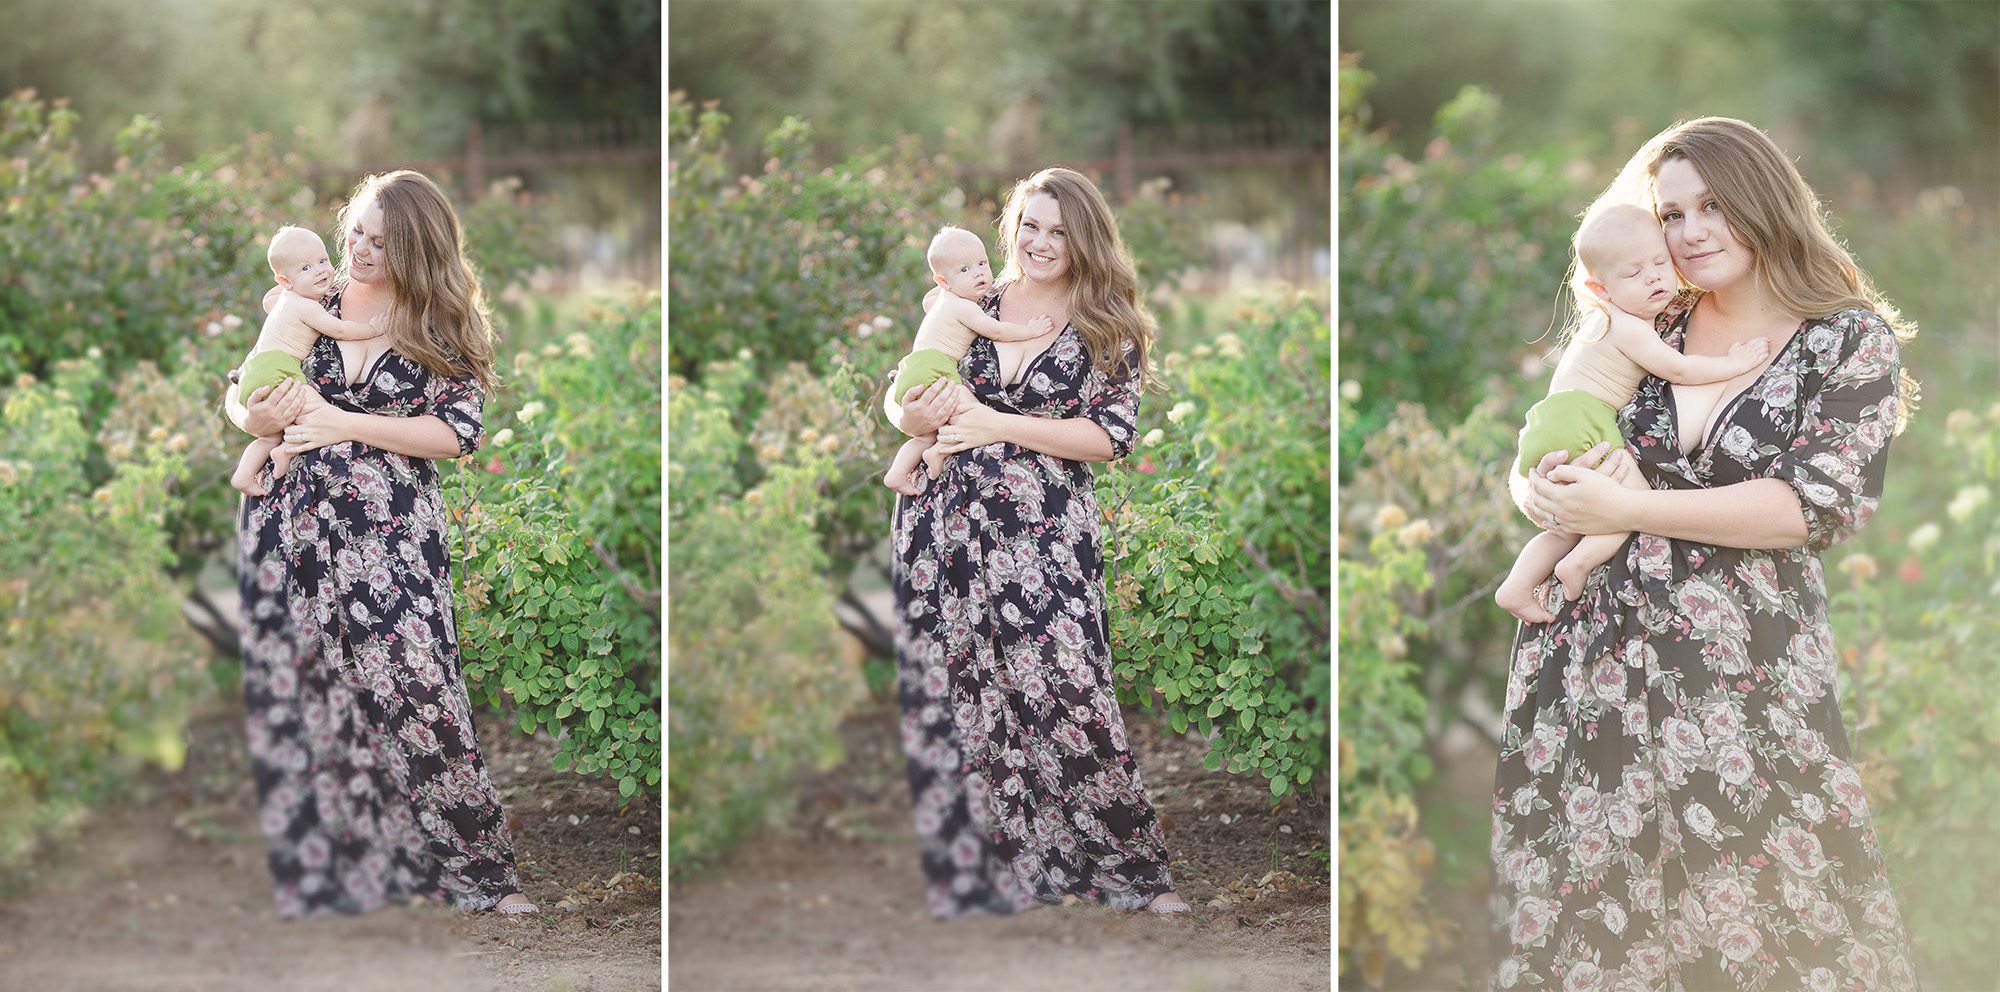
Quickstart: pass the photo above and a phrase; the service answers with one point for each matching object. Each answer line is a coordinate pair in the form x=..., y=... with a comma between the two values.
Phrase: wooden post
x=475, y=162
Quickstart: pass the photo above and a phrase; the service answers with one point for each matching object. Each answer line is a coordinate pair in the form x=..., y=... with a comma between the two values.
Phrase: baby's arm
x=968, y=313
x=316, y=317
x=1636, y=338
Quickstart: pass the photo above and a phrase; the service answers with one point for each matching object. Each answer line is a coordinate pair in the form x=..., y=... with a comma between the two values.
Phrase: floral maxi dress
x=1025, y=789
x=1675, y=806
x=368, y=769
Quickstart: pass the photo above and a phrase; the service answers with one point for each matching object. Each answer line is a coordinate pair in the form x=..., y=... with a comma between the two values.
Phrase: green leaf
x=1280, y=785
x=627, y=786
x=597, y=720
x=1246, y=718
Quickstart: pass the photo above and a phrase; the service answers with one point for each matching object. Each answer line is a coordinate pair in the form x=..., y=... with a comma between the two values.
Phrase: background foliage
x=1456, y=204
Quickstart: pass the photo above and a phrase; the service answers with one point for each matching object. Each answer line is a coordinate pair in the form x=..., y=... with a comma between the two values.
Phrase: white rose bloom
x=1966, y=503
x=1923, y=537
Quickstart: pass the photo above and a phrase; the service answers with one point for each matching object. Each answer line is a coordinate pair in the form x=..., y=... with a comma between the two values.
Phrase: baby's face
x=1638, y=274
x=307, y=271
x=965, y=272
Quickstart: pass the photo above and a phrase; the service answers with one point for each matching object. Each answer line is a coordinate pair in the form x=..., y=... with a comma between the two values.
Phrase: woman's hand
x=974, y=425
x=319, y=425
x=926, y=409
x=271, y=409
x=1570, y=497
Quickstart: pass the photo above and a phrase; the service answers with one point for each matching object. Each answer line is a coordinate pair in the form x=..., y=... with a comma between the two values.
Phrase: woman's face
x=366, y=261
x=1705, y=248
x=1041, y=245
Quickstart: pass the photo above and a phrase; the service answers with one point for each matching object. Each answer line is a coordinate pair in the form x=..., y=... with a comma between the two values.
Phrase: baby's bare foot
x=1519, y=599
x=903, y=482
x=246, y=482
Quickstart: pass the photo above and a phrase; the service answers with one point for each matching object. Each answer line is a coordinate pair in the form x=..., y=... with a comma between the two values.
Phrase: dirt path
x=169, y=892
x=838, y=903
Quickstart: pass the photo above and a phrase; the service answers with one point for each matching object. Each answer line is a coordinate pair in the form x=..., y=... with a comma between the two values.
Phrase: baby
x=1621, y=260
x=958, y=264
x=299, y=261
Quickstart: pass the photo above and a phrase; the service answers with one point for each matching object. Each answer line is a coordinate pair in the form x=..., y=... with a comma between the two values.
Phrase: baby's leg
x=1531, y=568
x=902, y=471
x=1576, y=566
x=251, y=465
x=934, y=457
x=1595, y=550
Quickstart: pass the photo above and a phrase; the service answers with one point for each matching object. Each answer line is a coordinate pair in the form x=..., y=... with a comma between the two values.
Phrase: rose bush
x=1915, y=623
x=1218, y=551
x=556, y=541
x=97, y=669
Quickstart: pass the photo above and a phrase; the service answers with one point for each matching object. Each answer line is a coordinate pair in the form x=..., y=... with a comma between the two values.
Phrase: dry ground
x=168, y=892
x=837, y=903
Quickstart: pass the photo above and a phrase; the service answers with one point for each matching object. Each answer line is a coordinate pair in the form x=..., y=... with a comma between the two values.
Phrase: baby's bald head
x=292, y=247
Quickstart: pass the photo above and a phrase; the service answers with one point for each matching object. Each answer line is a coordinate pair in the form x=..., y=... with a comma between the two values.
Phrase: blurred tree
x=212, y=71
x=514, y=60
x=1906, y=93
x=863, y=73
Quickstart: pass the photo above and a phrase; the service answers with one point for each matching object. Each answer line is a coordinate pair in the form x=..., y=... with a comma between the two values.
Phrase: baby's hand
x=1750, y=354
x=1041, y=325
x=380, y=323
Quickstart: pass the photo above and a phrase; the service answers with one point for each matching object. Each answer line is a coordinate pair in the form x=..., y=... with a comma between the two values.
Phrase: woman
x=1025, y=790
x=1675, y=806
x=360, y=730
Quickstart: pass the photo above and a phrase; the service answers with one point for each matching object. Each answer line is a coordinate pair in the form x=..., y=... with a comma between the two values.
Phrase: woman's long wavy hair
x=1772, y=211
x=439, y=318
x=1104, y=301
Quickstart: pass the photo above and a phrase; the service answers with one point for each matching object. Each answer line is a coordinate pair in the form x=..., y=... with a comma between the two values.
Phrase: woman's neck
x=1031, y=291
x=1747, y=303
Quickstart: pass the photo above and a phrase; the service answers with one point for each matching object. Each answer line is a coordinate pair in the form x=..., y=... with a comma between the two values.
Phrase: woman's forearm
x=1758, y=514
x=417, y=437
x=1074, y=438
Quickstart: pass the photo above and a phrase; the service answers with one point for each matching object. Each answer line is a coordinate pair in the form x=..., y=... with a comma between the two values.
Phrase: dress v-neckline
x=367, y=372
x=1027, y=363
x=1725, y=409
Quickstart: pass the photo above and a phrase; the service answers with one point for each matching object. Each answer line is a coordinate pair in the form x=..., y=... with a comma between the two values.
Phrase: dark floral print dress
x=361, y=736
x=1025, y=789
x=1675, y=806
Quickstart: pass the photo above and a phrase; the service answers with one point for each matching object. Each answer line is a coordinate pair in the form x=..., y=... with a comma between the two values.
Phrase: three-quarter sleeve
x=1848, y=413
x=1112, y=402
x=459, y=403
